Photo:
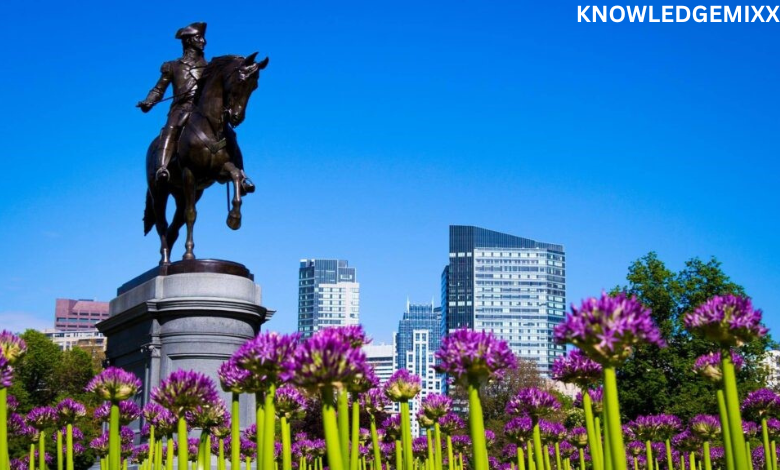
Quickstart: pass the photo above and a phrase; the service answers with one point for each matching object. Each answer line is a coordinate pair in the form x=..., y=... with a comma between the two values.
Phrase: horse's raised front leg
x=190, y=214
x=234, y=216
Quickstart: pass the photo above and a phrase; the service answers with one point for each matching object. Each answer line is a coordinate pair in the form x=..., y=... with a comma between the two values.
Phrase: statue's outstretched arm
x=158, y=91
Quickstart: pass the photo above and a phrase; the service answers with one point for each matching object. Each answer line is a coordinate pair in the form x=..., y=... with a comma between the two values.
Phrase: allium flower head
x=727, y=320
x=750, y=428
x=461, y=443
x=645, y=428
x=326, y=360
x=579, y=437
x=450, y=423
x=236, y=379
x=126, y=435
x=686, y=441
x=709, y=365
x=16, y=424
x=12, y=347
x=532, y=402
x=102, y=412
x=576, y=368
x=436, y=406
x=248, y=448
x=69, y=410
x=364, y=381
x=402, y=386
x=129, y=411
x=42, y=417
x=474, y=356
x=761, y=402
x=11, y=403
x=100, y=445
x=290, y=402
x=424, y=421
x=184, y=390
x=490, y=437
x=269, y=355
x=551, y=431
x=519, y=429
x=151, y=412
x=392, y=426
x=6, y=373
x=608, y=328
x=374, y=401
x=114, y=384
x=354, y=335
x=635, y=448
x=773, y=426
x=705, y=427
x=206, y=415
x=166, y=423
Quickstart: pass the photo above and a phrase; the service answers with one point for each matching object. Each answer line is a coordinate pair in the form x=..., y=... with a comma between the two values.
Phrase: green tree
x=657, y=380
x=36, y=374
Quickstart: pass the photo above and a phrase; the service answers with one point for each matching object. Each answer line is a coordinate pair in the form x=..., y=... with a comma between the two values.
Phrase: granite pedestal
x=188, y=315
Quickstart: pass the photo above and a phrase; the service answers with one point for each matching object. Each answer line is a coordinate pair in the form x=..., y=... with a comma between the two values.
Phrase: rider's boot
x=247, y=186
x=164, y=154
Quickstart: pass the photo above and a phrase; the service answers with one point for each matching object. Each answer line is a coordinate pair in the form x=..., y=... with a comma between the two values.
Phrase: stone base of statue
x=186, y=315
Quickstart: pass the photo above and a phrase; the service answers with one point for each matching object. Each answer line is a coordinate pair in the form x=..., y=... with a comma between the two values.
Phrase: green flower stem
x=582, y=456
x=248, y=462
x=183, y=450
x=599, y=443
x=605, y=449
x=774, y=455
x=343, y=423
x=31, y=459
x=450, y=454
x=114, y=445
x=221, y=455
x=649, y=454
x=260, y=422
x=477, y=428
x=538, y=445
x=706, y=454
x=375, y=445
x=612, y=411
x=60, y=457
x=331, y=429
x=152, y=448
x=692, y=461
x=767, y=447
x=437, y=446
x=587, y=406
x=4, y=459
x=732, y=409
x=636, y=463
x=399, y=460
x=669, y=459
x=546, y=450
x=406, y=435
x=269, y=428
x=200, y=458
x=682, y=461
x=169, y=454
x=728, y=452
x=69, y=445
x=558, y=456
x=286, y=444
x=42, y=451
x=747, y=451
x=530, y=448
x=520, y=457
x=430, y=463
x=235, y=432
x=354, y=458
x=207, y=454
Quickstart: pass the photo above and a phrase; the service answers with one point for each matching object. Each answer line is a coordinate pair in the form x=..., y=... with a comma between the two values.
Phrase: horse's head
x=239, y=86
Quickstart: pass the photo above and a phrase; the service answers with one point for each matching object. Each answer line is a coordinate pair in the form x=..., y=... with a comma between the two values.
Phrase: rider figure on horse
x=185, y=74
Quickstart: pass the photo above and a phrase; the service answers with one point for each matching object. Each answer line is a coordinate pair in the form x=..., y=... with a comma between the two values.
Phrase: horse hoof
x=188, y=256
x=234, y=222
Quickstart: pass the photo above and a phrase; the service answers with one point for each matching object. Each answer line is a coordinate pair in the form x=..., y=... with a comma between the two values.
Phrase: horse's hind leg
x=190, y=214
x=234, y=216
x=161, y=224
x=177, y=222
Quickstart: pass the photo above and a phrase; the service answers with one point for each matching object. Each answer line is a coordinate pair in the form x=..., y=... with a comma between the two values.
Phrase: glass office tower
x=328, y=295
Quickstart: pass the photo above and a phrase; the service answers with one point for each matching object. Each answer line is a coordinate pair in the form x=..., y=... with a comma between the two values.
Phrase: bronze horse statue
x=206, y=152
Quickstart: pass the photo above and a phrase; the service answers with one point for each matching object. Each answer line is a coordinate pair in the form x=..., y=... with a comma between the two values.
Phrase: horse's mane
x=213, y=68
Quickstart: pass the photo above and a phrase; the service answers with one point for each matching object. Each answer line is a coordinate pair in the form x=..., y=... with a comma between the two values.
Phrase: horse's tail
x=149, y=218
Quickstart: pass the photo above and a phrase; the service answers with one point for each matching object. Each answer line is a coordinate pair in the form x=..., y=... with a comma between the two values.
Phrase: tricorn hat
x=191, y=30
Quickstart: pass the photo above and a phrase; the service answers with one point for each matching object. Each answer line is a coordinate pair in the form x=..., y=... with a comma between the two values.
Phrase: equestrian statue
x=197, y=146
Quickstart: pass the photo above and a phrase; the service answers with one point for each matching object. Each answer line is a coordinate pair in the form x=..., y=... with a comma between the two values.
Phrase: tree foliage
x=662, y=380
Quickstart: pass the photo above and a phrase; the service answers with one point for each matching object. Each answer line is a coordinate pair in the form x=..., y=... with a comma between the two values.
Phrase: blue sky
x=376, y=126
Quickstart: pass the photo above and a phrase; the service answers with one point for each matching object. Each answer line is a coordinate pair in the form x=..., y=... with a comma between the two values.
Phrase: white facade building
x=420, y=361
x=328, y=295
x=381, y=356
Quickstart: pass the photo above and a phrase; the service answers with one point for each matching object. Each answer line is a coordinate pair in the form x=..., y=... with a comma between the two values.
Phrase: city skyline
x=375, y=127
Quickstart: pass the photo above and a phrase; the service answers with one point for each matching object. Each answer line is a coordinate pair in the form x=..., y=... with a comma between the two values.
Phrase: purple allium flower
x=269, y=355
x=727, y=320
x=579, y=437
x=221, y=430
x=6, y=373
x=102, y=412
x=667, y=426
x=552, y=432
x=141, y=453
x=12, y=347
x=327, y=360
x=11, y=403
x=78, y=449
x=364, y=435
x=750, y=428
x=402, y=386
x=250, y=432
x=236, y=379
x=100, y=445
x=42, y=417
x=645, y=428
x=114, y=384
x=705, y=427
x=461, y=443
x=708, y=365
x=576, y=368
x=773, y=426
x=78, y=435
x=450, y=423
x=387, y=448
x=607, y=328
x=165, y=423
x=757, y=457
x=129, y=411
x=206, y=415
x=290, y=402
x=192, y=448
x=392, y=426
x=364, y=381
x=69, y=410
x=183, y=390
x=151, y=412
x=354, y=335
x=761, y=402
x=374, y=401
x=686, y=441
x=248, y=448
x=420, y=447
x=126, y=435
x=16, y=424
x=424, y=421
x=532, y=402
x=474, y=356
x=436, y=406
x=490, y=438
x=19, y=464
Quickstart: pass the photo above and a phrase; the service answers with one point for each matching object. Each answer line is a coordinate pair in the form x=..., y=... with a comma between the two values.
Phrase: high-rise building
x=328, y=295
x=417, y=317
x=78, y=315
x=420, y=360
x=382, y=358
x=512, y=286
